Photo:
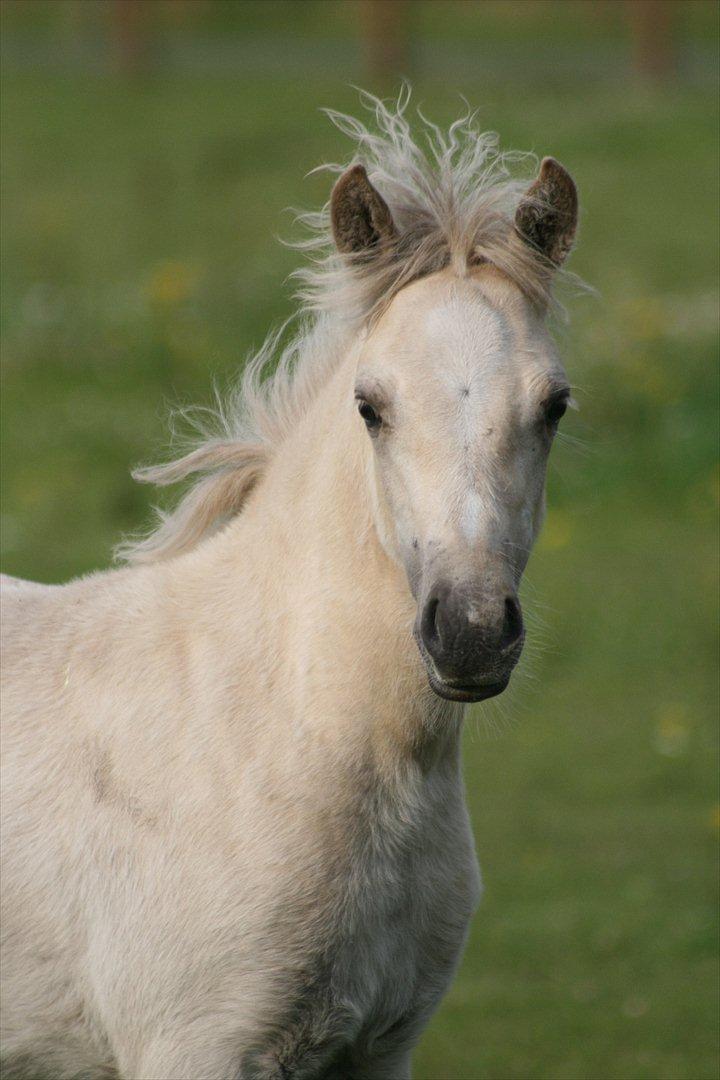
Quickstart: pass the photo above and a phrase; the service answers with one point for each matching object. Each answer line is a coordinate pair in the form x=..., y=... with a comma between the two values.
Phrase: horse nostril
x=512, y=623
x=428, y=626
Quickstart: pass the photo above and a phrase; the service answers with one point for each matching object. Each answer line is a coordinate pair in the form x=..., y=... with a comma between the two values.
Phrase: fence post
x=385, y=36
x=130, y=35
x=652, y=23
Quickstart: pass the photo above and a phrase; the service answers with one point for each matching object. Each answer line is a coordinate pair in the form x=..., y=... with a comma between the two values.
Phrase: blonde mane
x=453, y=203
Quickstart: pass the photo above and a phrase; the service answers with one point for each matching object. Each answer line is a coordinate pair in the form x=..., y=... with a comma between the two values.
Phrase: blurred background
x=150, y=150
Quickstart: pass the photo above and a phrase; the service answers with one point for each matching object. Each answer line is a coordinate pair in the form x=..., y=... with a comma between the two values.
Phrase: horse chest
x=389, y=952
x=411, y=924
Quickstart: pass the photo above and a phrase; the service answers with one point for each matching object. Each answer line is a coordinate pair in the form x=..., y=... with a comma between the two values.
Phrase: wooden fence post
x=130, y=35
x=385, y=36
x=652, y=23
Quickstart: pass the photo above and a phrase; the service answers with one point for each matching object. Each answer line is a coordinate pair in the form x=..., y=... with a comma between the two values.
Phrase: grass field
x=139, y=264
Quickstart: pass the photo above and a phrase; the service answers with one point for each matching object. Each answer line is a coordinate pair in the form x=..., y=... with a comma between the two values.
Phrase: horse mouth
x=466, y=692
x=454, y=690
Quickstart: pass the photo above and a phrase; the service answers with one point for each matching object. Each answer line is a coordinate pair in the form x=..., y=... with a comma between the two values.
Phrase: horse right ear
x=361, y=219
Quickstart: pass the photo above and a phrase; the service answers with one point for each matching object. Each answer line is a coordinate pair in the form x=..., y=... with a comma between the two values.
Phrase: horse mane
x=453, y=202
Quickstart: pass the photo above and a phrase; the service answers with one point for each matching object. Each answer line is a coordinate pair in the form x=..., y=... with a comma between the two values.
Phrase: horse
x=236, y=845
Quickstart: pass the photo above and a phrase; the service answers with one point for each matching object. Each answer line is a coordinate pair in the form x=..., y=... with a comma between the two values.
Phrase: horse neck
x=306, y=565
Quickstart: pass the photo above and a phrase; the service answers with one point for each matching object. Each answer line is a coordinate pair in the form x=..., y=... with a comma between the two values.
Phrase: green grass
x=139, y=264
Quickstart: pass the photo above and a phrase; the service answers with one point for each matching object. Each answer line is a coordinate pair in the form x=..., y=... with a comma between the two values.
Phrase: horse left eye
x=371, y=418
x=555, y=411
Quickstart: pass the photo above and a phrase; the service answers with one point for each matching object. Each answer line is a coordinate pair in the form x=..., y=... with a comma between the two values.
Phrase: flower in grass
x=557, y=531
x=171, y=282
x=672, y=731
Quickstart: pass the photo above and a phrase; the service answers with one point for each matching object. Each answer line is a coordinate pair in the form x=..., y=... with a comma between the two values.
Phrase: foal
x=236, y=842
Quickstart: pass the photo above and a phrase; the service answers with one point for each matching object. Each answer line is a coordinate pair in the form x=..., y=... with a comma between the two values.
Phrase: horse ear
x=547, y=215
x=360, y=216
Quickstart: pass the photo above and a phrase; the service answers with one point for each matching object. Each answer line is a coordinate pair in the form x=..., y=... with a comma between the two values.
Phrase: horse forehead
x=436, y=304
x=447, y=334
x=477, y=346
x=467, y=327
x=469, y=351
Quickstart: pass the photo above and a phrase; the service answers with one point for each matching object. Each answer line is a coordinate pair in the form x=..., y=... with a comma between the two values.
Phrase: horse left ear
x=546, y=217
x=361, y=219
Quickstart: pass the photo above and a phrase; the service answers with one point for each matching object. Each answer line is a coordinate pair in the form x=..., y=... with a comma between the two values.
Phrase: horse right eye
x=371, y=418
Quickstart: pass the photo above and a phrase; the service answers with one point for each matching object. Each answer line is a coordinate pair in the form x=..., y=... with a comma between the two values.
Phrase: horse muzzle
x=470, y=641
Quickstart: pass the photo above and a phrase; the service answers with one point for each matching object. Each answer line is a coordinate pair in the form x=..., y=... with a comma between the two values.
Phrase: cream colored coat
x=236, y=844
x=239, y=840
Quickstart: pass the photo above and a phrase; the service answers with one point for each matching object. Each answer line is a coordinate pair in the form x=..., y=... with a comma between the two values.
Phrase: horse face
x=461, y=391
